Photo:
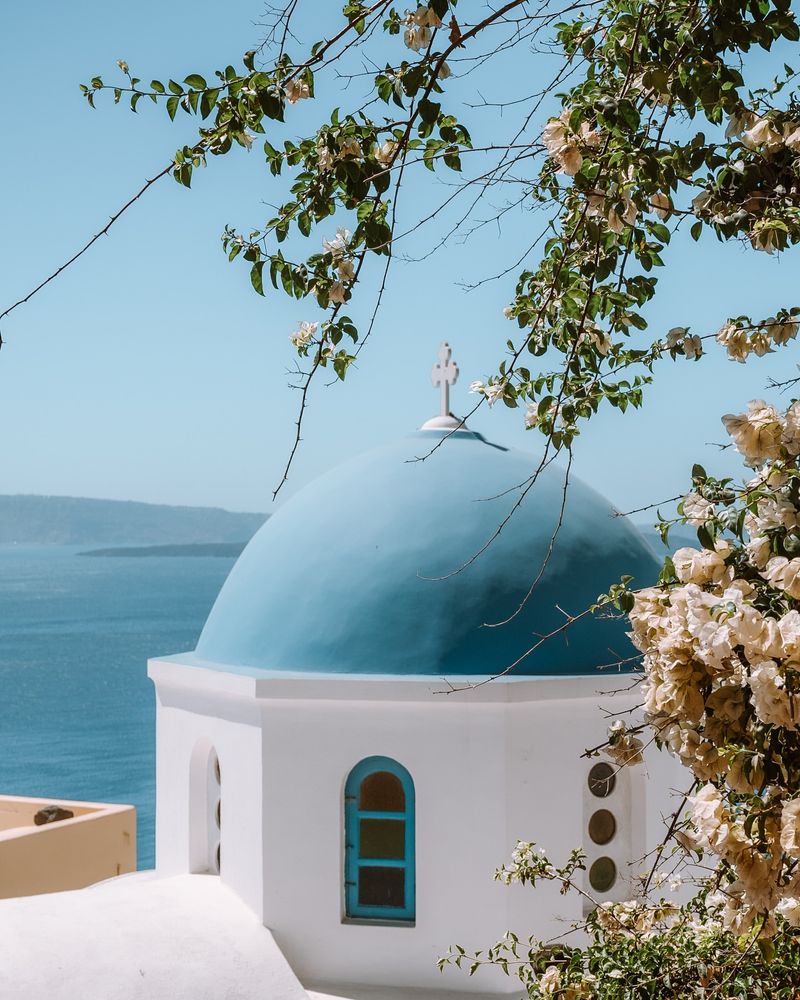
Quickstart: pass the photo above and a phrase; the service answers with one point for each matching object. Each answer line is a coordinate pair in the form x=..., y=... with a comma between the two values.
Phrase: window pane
x=382, y=792
x=381, y=886
x=602, y=826
x=383, y=838
x=602, y=779
x=602, y=874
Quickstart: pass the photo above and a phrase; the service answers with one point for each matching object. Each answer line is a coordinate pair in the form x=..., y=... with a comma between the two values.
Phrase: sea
x=77, y=710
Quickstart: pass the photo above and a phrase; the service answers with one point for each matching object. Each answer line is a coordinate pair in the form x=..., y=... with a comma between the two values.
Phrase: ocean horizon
x=78, y=718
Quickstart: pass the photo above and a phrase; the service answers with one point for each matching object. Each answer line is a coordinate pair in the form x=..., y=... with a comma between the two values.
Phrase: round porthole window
x=602, y=875
x=602, y=826
x=602, y=779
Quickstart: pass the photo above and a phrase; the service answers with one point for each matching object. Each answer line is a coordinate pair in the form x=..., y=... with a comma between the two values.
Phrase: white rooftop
x=139, y=937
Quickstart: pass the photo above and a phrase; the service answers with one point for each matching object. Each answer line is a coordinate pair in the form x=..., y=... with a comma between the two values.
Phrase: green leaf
x=660, y=231
x=705, y=537
x=172, y=106
x=626, y=111
x=207, y=102
x=256, y=276
x=429, y=111
x=195, y=81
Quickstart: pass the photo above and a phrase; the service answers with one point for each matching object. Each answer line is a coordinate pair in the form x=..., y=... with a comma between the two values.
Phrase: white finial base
x=444, y=423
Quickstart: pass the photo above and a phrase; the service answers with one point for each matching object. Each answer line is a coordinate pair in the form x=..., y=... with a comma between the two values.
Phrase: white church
x=366, y=727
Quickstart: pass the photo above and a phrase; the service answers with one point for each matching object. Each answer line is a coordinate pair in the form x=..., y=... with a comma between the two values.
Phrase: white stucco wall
x=490, y=765
x=190, y=722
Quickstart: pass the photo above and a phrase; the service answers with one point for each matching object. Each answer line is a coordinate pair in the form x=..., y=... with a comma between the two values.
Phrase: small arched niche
x=205, y=810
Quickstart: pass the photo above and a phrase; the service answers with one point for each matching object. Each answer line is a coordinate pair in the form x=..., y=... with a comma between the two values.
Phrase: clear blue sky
x=151, y=371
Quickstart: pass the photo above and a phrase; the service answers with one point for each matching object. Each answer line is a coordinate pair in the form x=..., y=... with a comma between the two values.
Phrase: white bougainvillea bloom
x=785, y=574
x=738, y=123
x=417, y=36
x=789, y=909
x=296, y=90
x=623, y=748
x=765, y=235
x=554, y=135
x=570, y=160
x=589, y=136
x=550, y=981
x=385, y=153
x=491, y=391
x=679, y=337
x=696, y=509
x=494, y=392
x=617, y=221
x=325, y=158
x=761, y=343
x=762, y=134
x=721, y=650
x=791, y=136
x=735, y=340
x=661, y=205
x=564, y=146
x=337, y=293
x=304, y=334
x=757, y=434
x=780, y=332
x=674, y=337
x=345, y=271
x=426, y=17
x=699, y=566
x=596, y=204
x=790, y=828
x=693, y=347
x=791, y=430
x=350, y=147
x=337, y=247
x=770, y=700
x=594, y=335
x=789, y=629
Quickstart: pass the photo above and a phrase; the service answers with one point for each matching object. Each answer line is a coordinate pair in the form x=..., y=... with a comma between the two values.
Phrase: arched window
x=379, y=841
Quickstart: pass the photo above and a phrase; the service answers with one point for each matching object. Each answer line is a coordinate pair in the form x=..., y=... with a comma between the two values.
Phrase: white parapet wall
x=96, y=843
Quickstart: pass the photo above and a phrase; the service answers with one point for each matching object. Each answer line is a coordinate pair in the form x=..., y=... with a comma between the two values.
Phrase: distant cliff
x=27, y=519
x=680, y=535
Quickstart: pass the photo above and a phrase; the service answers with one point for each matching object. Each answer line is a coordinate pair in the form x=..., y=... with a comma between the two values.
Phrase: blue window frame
x=379, y=841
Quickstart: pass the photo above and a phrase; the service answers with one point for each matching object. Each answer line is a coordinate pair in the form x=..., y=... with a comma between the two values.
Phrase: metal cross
x=445, y=374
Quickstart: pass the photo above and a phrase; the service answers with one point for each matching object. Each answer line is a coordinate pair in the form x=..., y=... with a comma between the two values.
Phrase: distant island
x=680, y=535
x=48, y=520
x=228, y=549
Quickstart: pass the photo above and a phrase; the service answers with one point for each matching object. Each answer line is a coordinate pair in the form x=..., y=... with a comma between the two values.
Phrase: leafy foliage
x=638, y=148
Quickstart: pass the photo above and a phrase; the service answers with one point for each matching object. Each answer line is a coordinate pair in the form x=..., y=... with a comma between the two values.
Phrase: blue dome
x=346, y=576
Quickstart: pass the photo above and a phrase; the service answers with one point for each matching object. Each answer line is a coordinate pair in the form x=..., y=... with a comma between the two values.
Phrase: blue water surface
x=77, y=710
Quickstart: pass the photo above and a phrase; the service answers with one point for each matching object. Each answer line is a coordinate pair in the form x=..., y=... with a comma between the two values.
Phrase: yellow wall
x=99, y=842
